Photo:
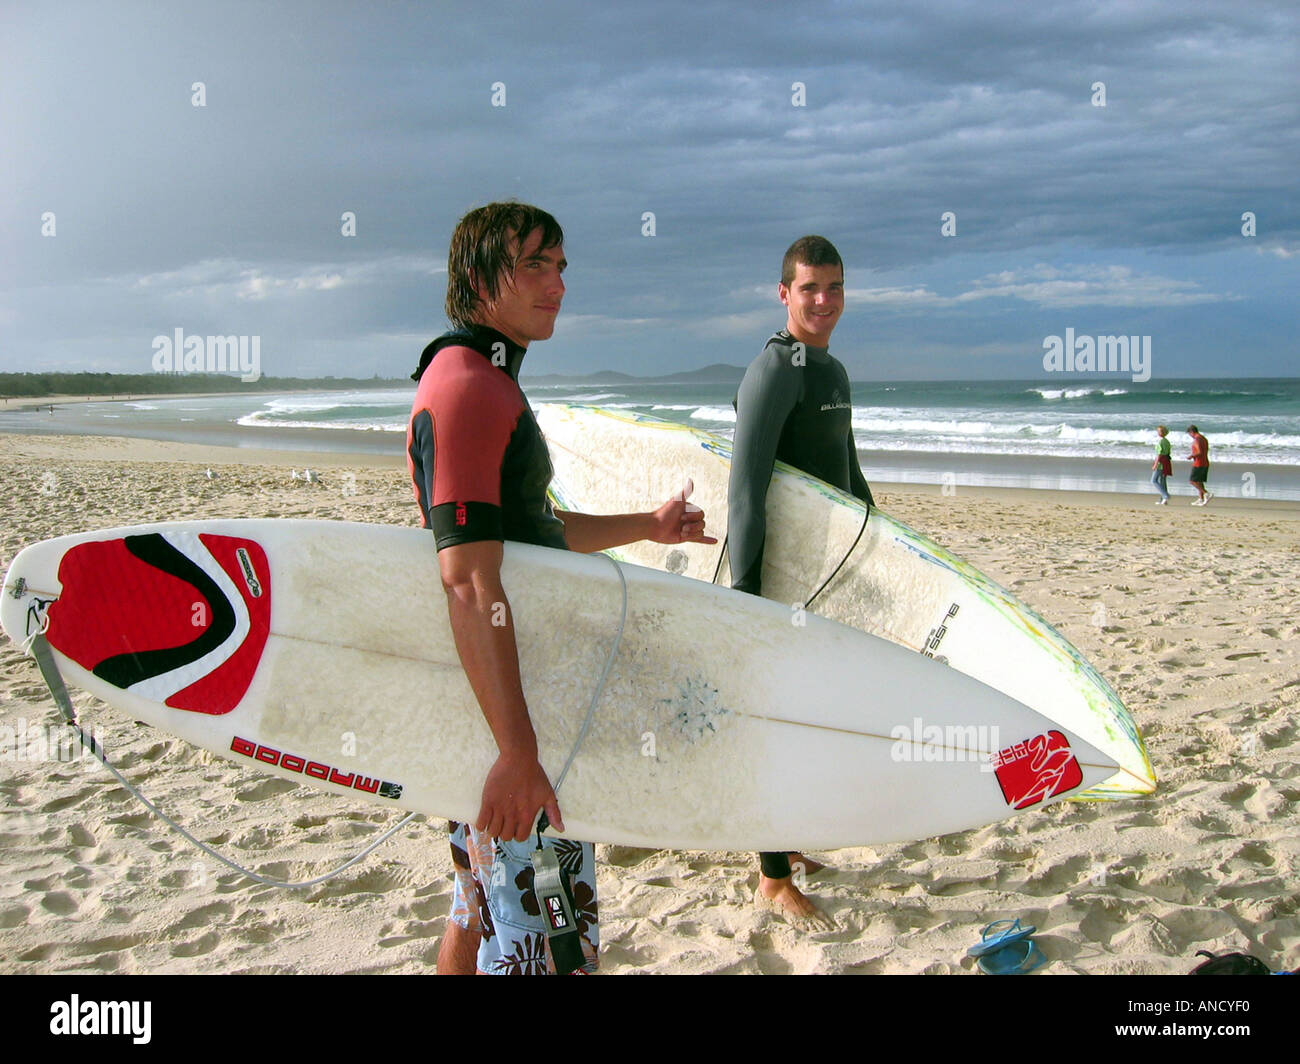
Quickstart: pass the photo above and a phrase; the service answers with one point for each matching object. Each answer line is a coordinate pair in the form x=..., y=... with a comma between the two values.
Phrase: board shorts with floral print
x=493, y=895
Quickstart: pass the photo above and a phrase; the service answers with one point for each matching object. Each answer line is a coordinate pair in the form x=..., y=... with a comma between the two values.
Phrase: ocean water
x=1074, y=435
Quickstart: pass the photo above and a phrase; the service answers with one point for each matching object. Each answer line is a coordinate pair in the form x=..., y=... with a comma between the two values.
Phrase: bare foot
x=783, y=897
x=811, y=866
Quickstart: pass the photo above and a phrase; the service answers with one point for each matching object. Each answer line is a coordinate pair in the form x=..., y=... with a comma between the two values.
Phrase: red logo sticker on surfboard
x=1032, y=771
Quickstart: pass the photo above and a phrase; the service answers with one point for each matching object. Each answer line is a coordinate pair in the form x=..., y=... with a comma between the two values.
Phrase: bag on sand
x=1229, y=964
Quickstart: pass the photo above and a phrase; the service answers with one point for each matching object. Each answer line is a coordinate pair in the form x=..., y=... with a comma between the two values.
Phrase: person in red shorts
x=1200, y=458
x=480, y=471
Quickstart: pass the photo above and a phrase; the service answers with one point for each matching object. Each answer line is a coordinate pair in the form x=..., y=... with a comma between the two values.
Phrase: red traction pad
x=137, y=607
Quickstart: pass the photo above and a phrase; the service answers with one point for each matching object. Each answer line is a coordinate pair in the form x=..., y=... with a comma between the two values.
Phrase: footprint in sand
x=1060, y=877
x=15, y=916
x=192, y=874
x=80, y=837
x=1211, y=823
x=201, y=945
x=624, y=856
x=1195, y=924
x=423, y=910
x=59, y=902
x=617, y=953
x=110, y=945
x=1265, y=803
x=138, y=821
x=265, y=789
x=372, y=881
x=283, y=871
x=261, y=932
x=67, y=802
x=1238, y=796
x=1256, y=853
x=202, y=916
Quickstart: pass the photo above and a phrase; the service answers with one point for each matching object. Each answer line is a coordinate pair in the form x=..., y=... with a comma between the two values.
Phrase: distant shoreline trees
x=25, y=385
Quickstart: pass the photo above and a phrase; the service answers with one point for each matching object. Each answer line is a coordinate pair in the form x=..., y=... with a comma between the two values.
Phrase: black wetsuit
x=793, y=406
x=798, y=414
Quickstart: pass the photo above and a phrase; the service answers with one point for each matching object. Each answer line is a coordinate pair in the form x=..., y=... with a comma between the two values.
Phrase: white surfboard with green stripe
x=891, y=580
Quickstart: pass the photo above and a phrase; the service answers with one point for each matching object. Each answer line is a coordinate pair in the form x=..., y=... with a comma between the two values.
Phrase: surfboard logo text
x=315, y=769
x=936, y=635
x=1032, y=771
x=250, y=574
x=103, y=1017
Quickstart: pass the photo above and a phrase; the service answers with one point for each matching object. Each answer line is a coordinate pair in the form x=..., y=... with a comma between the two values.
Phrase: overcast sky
x=740, y=126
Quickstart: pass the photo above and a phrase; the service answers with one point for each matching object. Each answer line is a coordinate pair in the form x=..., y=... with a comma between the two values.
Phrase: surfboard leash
x=40, y=649
x=604, y=675
x=865, y=518
x=722, y=553
x=825, y=583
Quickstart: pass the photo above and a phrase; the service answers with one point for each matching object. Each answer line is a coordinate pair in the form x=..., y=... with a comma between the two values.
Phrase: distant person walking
x=1163, y=467
x=1200, y=457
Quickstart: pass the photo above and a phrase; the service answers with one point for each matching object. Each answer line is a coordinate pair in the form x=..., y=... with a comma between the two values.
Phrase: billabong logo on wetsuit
x=461, y=515
x=1032, y=771
x=837, y=402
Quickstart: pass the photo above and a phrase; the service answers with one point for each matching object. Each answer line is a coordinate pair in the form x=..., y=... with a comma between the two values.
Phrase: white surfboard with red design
x=321, y=652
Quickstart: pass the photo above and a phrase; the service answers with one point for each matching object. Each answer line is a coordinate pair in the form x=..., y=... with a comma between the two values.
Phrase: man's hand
x=515, y=790
x=676, y=521
x=679, y=521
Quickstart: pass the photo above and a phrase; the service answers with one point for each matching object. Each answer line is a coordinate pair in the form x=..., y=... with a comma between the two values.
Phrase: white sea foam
x=256, y=419
x=714, y=413
x=1072, y=393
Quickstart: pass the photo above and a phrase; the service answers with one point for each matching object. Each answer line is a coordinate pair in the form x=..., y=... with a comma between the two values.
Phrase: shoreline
x=35, y=402
x=55, y=447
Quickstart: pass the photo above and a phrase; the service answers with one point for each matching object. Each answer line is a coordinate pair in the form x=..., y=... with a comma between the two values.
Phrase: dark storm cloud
x=233, y=210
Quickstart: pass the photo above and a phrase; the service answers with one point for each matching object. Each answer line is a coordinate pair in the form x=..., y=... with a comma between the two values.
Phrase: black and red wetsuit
x=477, y=458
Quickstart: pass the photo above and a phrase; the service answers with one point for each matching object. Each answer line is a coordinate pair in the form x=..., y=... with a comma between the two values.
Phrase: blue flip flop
x=992, y=940
x=1019, y=958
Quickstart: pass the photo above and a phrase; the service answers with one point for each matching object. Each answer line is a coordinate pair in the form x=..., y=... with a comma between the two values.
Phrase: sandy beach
x=1190, y=614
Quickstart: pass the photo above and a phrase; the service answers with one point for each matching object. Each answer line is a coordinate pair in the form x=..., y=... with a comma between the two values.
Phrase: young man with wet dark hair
x=793, y=406
x=480, y=471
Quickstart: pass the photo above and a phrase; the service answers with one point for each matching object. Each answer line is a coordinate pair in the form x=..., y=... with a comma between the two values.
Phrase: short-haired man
x=1200, y=457
x=481, y=471
x=793, y=405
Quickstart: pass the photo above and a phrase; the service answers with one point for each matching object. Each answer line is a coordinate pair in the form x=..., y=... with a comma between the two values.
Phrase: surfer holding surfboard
x=480, y=470
x=793, y=406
